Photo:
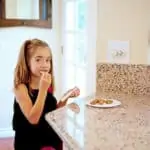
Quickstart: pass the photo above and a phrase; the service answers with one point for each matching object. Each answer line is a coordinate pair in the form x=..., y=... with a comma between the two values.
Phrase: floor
x=6, y=143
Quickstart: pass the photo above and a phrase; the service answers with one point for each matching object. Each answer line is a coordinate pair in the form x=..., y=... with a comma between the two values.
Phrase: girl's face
x=40, y=61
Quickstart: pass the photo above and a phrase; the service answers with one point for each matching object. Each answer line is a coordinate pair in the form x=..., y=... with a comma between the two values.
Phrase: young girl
x=33, y=89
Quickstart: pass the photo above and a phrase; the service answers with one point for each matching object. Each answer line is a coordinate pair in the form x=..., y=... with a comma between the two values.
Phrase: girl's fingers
x=75, y=93
x=46, y=76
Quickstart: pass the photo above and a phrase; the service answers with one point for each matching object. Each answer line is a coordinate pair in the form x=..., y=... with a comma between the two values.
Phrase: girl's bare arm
x=31, y=112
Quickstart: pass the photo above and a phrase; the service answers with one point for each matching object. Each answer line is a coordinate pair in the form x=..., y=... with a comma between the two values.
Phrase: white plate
x=114, y=104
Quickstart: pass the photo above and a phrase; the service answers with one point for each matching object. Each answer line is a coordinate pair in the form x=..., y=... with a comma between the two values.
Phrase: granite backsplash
x=123, y=78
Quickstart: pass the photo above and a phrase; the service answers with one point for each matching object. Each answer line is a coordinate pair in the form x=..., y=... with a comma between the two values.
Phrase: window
x=75, y=44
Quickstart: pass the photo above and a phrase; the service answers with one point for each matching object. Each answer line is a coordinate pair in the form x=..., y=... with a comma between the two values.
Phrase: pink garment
x=50, y=90
x=48, y=148
x=60, y=147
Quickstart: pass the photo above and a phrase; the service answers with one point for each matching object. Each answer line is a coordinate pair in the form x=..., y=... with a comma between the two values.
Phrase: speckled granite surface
x=126, y=127
x=123, y=78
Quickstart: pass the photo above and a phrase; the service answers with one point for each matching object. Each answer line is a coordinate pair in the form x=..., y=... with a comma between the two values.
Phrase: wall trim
x=6, y=132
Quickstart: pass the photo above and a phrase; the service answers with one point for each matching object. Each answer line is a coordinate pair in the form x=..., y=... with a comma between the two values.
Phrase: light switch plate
x=118, y=52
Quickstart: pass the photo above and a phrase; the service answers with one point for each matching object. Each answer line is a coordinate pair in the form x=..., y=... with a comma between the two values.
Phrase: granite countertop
x=126, y=127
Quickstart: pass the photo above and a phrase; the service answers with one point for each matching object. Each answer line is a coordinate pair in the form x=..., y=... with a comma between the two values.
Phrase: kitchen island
x=126, y=127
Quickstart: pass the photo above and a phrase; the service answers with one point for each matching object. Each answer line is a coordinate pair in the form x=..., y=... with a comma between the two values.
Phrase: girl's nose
x=45, y=63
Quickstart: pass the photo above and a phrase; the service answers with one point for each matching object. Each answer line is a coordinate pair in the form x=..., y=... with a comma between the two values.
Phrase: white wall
x=10, y=42
x=124, y=20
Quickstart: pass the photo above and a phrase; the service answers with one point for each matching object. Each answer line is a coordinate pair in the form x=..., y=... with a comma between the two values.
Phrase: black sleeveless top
x=30, y=136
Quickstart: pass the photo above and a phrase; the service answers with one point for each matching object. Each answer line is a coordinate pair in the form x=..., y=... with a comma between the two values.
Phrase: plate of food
x=103, y=103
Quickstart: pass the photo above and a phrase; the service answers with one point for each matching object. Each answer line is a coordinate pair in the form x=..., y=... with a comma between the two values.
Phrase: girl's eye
x=48, y=60
x=37, y=60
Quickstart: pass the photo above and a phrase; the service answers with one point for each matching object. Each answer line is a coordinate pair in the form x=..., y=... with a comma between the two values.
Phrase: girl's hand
x=70, y=94
x=75, y=92
x=45, y=81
